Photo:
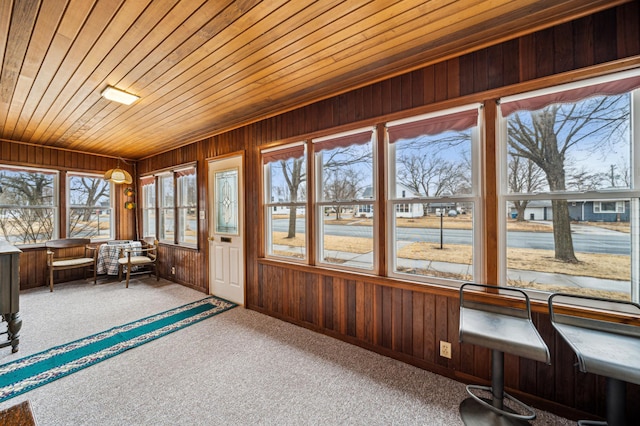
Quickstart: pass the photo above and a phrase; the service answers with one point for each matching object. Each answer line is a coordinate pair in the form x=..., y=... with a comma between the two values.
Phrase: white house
x=409, y=210
x=535, y=210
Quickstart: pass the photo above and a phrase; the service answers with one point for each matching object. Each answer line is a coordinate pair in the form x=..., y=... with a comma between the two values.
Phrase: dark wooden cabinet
x=10, y=294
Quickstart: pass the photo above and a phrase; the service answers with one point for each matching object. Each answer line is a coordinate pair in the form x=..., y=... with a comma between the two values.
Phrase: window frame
x=171, y=175
x=70, y=207
x=55, y=206
x=619, y=207
x=632, y=194
x=320, y=204
x=475, y=197
x=180, y=188
x=145, y=208
x=268, y=205
x=165, y=210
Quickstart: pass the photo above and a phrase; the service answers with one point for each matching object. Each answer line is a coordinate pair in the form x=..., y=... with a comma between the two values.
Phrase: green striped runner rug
x=25, y=374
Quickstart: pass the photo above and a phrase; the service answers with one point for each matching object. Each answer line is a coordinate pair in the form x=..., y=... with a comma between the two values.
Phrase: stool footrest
x=531, y=414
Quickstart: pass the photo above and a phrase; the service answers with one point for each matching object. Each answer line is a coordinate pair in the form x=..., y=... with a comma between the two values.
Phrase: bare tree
x=27, y=212
x=343, y=173
x=547, y=135
x=435, y=165
x=432, y=176
x=524, y=177
x=294, y=175
x=421, y=174
x=624, y=174
x=86, y=192
x=584, y=180
x=342, y=184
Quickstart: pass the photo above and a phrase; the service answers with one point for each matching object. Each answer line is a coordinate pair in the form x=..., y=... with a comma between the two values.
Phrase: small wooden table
x=109, y=253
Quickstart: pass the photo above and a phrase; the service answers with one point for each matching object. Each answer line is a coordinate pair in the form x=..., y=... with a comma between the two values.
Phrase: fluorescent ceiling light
x=118, y=95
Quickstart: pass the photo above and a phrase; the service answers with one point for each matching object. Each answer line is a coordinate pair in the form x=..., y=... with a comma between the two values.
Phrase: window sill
x=180, y=246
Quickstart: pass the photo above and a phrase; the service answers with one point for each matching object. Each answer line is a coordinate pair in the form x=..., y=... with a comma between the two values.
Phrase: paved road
x=586, y=239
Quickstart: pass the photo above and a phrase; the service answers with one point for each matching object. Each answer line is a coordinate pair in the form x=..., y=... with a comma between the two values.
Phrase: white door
x=226, y=229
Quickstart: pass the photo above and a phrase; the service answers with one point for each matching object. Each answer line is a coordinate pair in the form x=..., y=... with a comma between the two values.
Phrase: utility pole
x=613, y=178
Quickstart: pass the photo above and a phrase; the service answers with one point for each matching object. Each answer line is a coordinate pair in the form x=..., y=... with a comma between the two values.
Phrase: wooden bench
x=71, y=253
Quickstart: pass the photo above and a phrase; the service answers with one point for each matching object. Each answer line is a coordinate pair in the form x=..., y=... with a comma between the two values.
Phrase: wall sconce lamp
x=118, y=175
x=117, y=95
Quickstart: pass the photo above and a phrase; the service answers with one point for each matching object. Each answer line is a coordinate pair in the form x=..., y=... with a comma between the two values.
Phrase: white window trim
x=161, y=208
x=178, y=208
x=605, y=194
x=111, y=204
x=619, y=208
x=476, y=198
x=320, y=205
x=56, y=199
x=268, y=205
x=144, y=208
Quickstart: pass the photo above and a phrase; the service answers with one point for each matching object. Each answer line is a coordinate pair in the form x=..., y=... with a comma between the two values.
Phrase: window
x=187, y=192
x=170, y=203
x=148, y=198
x=346, y=190
x=570, y=194
x=167, y=207
x=608, y=207
x=433, y=160
x=285, y=195
x=28, y=205
x=89, y=213
x=431, y=220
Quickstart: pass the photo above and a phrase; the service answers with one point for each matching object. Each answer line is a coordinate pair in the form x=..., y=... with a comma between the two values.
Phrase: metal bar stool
x=602, y=347
x=485, y=320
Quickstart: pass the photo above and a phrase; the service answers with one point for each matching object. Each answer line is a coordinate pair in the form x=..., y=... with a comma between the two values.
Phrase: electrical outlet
x=173, y=270
x=445, y=349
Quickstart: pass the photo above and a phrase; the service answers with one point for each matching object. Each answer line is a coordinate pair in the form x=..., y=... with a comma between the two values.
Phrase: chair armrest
x=139, y=249
x=91, y=248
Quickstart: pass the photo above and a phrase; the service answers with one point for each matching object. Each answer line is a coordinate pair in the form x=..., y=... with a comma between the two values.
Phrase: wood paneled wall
x=402, y=320
x=33, y=265
x=407, y=321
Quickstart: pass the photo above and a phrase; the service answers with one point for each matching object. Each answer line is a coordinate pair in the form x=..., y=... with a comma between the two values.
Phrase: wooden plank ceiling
x=203, y=67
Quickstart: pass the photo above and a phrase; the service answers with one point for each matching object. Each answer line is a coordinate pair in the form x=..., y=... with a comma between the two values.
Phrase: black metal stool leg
x=616, y=397
x=477, y=411
x=616, y=394
x=497, y=379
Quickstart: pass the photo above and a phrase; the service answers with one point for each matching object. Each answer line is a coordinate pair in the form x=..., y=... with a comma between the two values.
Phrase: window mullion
x=176, y=211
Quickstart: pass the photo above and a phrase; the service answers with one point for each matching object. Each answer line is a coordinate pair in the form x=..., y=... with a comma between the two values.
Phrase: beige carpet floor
x=236, y=368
